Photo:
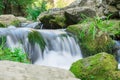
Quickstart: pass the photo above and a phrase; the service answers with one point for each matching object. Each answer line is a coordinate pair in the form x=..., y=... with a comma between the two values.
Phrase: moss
x=93, y=42
x=60, y=20
x=116, y=31
x=15, y=23
x=53, y=21
x=90, y=46
x=2, y=25
x=36, y=37
x=101, y=66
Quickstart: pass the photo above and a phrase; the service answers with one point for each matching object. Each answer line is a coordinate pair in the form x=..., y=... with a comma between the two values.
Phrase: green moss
x=53, y=21
x=101, y=66
x=36, y=37
x=2, y=25
x=95, y=39
x=45, y=19
x=60, y=20
x=15, y=23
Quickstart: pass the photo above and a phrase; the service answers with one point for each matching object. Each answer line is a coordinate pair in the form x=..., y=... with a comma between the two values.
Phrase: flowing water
x=117, y=46
x=60, y=49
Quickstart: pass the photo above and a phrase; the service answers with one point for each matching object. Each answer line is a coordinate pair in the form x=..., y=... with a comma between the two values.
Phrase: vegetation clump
x=16, y=55
x=36, y=37
x=94, y=35
x=35, y=10
x=2, y=25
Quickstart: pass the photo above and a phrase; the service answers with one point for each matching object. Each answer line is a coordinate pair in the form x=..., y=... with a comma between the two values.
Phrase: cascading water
x=117, y=46
x=59, y=48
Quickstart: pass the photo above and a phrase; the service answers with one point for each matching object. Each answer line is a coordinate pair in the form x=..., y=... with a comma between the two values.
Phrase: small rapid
x=117, y=46
x=54, y=48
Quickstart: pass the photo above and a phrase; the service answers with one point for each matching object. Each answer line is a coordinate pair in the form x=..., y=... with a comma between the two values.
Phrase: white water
x=61, y=50
x=118, y=52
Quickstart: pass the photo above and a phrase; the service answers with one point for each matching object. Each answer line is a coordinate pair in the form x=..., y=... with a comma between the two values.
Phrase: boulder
x=56, y=19
x=19, y=71
x=9, y=19
x=101, y=66
x=101, y=7
x=23, y=19
x=79, y=10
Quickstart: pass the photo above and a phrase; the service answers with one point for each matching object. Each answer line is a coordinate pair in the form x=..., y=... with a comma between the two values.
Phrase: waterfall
x=53, y=48
x=117, y=46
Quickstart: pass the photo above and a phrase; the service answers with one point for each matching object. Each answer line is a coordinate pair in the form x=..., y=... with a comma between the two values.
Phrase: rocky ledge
x=79, y=10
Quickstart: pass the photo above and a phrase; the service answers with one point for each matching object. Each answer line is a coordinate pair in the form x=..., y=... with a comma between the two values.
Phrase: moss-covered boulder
x=61, y=18
x=53, y=21
x=101, y=66
x=95, y=36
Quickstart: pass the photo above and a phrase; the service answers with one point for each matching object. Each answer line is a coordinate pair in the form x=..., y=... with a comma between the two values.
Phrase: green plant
x=34, y=11
x=6, y=6
x=94, y=35
x=16, y=55
x=96, y=27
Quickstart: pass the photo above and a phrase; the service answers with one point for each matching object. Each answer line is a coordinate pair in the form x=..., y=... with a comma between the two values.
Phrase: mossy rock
x=9, y=19
x=15, y=23
x=99, y=41
x=101, y=66
x=53, y=21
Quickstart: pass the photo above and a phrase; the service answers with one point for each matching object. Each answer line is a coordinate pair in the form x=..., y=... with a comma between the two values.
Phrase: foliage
x=94, y=35
x=34, y=11
x=15, y=55
x=22, y=3
x=2, y=25
x=97, y=27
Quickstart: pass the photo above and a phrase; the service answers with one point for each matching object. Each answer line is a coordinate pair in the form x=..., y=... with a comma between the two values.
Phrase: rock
x=101, y=66
x=102, y=7
x=118, y=6
x=80, y=9
x=19, y=71
x=9, y=20
x=23, y=20
x=55, y=19
x=97, y=40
